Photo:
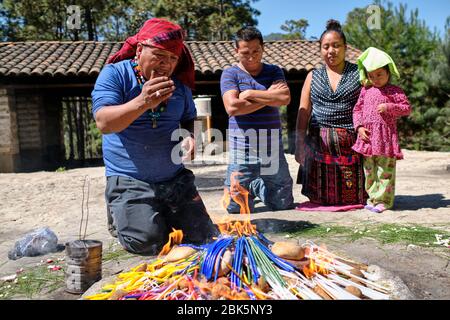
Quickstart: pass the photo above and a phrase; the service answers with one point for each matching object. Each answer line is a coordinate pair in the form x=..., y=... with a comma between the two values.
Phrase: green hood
x=373, y=59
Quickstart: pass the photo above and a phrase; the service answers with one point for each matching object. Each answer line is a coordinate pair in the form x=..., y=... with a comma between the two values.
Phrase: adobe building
x=45, y=95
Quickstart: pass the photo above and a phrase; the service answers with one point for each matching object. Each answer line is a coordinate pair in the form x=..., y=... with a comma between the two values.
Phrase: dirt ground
x=53, y=199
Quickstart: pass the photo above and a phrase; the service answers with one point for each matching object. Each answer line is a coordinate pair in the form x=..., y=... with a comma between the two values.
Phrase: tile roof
x=86, y=58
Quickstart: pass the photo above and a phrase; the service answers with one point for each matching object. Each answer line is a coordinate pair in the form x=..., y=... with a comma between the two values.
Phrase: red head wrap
x=164, y=35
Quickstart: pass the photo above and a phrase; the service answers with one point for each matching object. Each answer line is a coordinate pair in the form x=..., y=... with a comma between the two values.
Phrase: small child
x=375, y=120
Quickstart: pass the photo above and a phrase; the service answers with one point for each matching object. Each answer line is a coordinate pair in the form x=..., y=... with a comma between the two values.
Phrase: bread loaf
x=178, y=253
x=288, y=250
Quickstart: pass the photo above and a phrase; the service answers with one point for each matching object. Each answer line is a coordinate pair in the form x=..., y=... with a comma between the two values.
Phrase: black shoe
x=112, y=230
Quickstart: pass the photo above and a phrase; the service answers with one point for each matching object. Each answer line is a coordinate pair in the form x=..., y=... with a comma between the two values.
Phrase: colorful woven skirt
x=333, y=173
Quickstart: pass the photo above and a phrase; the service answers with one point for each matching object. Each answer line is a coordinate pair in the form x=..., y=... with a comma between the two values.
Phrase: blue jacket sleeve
x=108, y=89
x=190, y=112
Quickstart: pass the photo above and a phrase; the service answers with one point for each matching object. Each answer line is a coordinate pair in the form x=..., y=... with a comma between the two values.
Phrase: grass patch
x=321, y=231
x=32, y=282
x=385, y=233
x=39, y=280
x=115, y=252
x=418, y=235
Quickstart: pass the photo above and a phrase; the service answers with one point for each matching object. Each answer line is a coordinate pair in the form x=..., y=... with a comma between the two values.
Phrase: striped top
x=334, y=109
x=140, y=151
x=234, y=78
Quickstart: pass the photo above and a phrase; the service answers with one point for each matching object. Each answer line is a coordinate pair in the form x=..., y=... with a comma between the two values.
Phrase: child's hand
x=382, y=108
x=364, y=134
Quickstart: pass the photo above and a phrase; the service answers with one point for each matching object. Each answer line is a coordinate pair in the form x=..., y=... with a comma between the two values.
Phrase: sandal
x=378, y=208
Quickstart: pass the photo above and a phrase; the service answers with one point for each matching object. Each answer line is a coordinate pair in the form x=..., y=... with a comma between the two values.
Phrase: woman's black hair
x=333, y=25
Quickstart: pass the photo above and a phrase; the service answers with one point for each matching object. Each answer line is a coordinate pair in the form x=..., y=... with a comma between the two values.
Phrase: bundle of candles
x=242, y=264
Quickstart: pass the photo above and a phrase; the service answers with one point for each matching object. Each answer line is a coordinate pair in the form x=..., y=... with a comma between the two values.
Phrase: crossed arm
x=249, y=101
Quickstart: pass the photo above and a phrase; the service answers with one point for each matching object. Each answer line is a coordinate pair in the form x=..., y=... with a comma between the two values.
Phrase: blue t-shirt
x=140, y=151
x=234, y=78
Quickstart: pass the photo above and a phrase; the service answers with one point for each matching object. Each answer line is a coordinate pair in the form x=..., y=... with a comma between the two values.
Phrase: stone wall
x=9, y=141
x=30, y=122
x=30, y=131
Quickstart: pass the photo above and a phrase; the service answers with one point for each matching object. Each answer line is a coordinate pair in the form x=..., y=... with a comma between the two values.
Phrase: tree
x=432, y=89
x=124, y=18
x=230, y=16
x=118, y=19
x=208, y=19
x=48, y=19
x=296, y=29
x=412, y=45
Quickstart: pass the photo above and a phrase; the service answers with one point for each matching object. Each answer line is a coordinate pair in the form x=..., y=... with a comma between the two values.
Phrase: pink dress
x=383, y=127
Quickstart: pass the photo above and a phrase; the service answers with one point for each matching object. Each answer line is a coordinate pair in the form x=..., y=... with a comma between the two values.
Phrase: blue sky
x=275, y=12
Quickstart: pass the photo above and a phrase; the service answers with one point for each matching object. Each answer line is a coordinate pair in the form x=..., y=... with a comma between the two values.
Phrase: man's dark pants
x=142, y=214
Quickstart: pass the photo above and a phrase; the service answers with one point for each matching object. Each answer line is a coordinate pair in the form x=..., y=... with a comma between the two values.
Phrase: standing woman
x=330, y=171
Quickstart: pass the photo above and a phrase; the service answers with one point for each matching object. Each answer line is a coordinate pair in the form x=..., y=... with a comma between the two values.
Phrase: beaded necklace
x=154, y=114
